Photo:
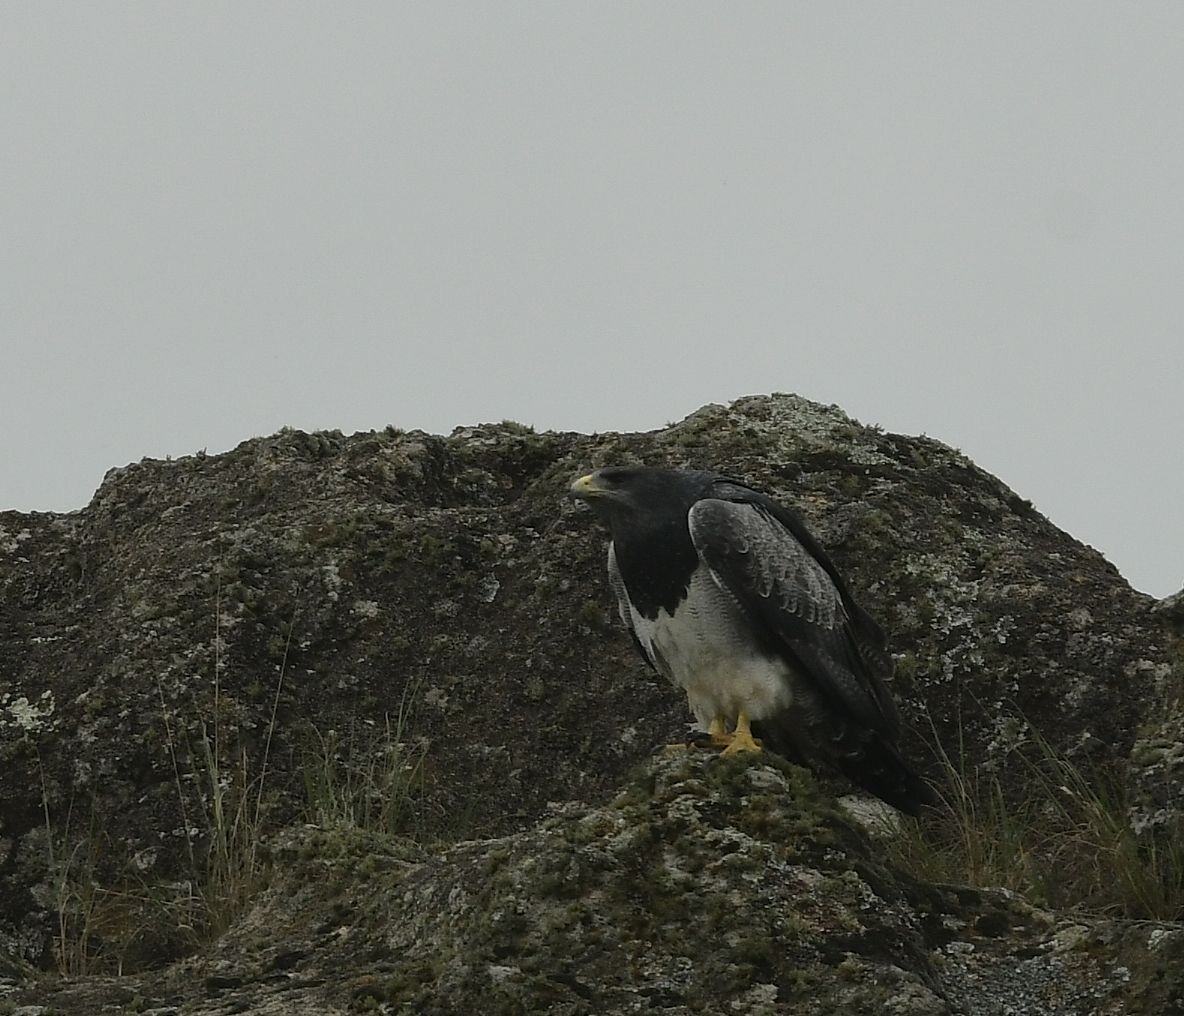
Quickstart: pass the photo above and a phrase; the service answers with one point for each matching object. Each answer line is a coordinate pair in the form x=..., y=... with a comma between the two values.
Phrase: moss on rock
x=483, y=587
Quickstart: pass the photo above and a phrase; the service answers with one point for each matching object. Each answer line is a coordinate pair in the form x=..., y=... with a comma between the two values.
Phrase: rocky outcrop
x=706, y=885
x=221, y=614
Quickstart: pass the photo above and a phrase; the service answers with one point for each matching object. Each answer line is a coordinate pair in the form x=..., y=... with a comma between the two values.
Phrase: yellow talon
x=718, y=733
x=715, y=736
x=741, y=738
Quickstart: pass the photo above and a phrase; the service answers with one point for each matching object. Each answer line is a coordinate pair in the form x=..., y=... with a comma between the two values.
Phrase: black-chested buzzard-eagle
x=727, y=595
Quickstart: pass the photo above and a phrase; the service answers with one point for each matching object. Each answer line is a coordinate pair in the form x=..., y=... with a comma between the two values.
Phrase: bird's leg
x=741, y=738
x=715, y=736
x=717, y=733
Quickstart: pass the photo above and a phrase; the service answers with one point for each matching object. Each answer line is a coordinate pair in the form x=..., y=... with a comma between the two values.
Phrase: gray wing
x=795, y=606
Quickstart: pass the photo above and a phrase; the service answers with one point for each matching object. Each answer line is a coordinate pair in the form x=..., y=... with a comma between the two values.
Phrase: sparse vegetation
x=534, y=698
x=110, y=918
x=364, y=779
x=514, y=427
x=1066, y=842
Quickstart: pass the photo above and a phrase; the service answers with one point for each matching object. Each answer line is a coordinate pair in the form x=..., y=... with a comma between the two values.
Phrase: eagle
x=729, y=597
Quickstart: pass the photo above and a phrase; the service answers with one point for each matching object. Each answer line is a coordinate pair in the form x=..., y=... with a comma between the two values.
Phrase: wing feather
x=785, y=582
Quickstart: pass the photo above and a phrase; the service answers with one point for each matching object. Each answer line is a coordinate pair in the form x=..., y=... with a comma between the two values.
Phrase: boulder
x=208, y=629
x=706, y=885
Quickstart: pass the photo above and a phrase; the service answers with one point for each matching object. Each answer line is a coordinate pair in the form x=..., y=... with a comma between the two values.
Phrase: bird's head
x=617, y=493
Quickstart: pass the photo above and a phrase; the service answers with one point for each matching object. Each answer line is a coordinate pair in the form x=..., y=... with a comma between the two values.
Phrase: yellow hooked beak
x=585, y=486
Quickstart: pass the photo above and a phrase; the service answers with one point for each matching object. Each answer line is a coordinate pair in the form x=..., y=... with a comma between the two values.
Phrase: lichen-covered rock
x=218, y=614
x=707, y=885
x=1171, y=610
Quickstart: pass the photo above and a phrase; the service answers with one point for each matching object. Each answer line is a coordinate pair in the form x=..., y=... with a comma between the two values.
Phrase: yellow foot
x=715, y=736
x=746, y=743
x=741, y=739
x=702, y=739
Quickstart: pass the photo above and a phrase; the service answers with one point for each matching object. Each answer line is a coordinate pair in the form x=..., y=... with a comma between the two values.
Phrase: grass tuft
x=1066, y=842
x=110, y=917
x=366, y=779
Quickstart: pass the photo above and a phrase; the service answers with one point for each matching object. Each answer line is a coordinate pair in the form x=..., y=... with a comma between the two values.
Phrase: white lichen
x=437, y=698
x=1161, y=937
x=31, y=717
x=333, y=581
x=9, y=542
x=366, y=608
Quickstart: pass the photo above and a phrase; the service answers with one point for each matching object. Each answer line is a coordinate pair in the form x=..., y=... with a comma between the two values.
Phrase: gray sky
x=962, y=219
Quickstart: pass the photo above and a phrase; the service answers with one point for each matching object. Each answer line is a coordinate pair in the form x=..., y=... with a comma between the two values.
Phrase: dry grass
x=111, y=918
x=1065, y=842
x=365, y=779
x=108, y=914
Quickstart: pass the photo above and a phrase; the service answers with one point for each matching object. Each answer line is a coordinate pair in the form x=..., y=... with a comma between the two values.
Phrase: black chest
x=656, y=562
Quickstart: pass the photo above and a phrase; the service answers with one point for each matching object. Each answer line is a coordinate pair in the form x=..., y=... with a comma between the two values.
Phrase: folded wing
x=797, y=602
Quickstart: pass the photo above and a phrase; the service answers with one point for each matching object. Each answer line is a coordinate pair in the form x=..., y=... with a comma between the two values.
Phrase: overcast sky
x=962, y=219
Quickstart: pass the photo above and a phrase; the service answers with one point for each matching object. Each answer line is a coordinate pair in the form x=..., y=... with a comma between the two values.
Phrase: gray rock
x=706, y=885
x=216, y=609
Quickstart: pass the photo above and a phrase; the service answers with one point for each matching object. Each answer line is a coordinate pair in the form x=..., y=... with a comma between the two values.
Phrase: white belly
x=706, y=650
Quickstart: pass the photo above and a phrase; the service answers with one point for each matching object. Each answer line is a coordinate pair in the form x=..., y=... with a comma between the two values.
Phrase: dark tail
x=879, y=768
